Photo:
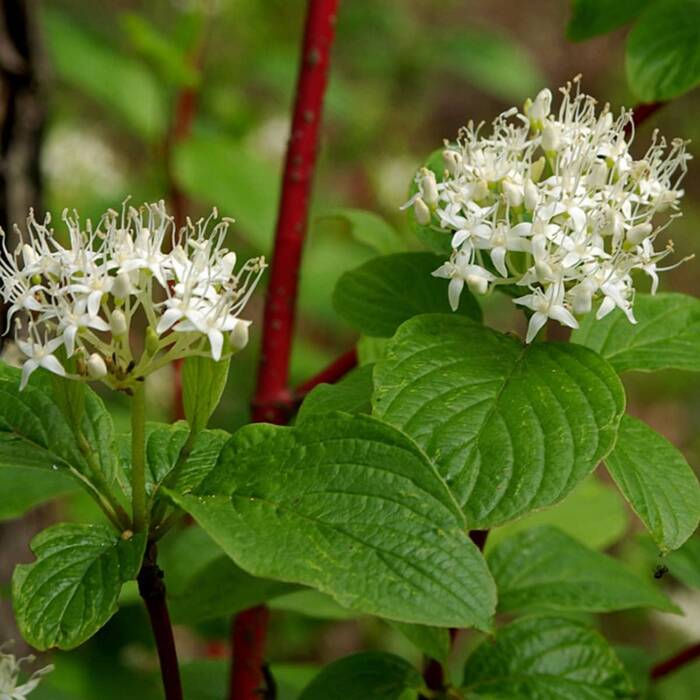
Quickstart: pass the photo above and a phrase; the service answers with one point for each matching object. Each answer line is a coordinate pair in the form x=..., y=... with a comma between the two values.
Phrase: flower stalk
x=138, y=456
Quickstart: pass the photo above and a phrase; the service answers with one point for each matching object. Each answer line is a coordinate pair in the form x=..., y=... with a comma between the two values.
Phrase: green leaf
x=71, y=590
x=684, y=563
x=663, y=50
x=544, y=569
x=547, y=658
x=666, y=335
x=494, y=62
x=511, y=428
x=593, y=17
x=366, y=228
x=166, y=449
x=171, y=60
x=203, y=383
x=594, y=513
x=313, y=604
x=369, y=674
x=352, y=394
x=23, y=488
x=350, y=506
x=657, y=481
x=377, y=297
x=223, y=172
x=124, y=87
x=203, y=583
x=36, y=431
x=434, y=642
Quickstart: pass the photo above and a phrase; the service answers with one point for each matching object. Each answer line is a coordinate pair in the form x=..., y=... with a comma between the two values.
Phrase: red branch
x=675, y=662
x=273, y=397
x=273, y=394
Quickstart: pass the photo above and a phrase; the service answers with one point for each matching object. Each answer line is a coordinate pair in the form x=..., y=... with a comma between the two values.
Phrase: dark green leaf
x=657, y=481
x=203, y=383
x=593, y=17
x=545, y=570
x=666, y=335
x=512, y=428
x=593, y=513
x=663, y=50
x=367, y=228
x=313, y=604
x=380, y=295
x=547, y=658
x=350, y=506
x=31, y=420
x=370, y=674
x=23, y=488
x=118, y=83
x=352, y=394
x=71, y=590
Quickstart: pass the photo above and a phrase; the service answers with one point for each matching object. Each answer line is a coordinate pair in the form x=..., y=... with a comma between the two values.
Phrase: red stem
x=272, y=394
x=675, y=662
x=273, y=398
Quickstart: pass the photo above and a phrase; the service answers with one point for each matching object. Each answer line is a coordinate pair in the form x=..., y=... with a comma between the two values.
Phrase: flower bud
x=537, y=168
x=239, y=335
x=28, y=254
x=532, y=195
x=96, y=366
x=428, y=187
x=453, y=161
x=479, y=189
x=228, y=262
x=639, y=233
x=152, y=343
x=477, y=284
x=122, y=287
x=538, y=111
x=513, y=193
x=421, y=212
x=118, y=323
x=598, y=175
x=551, y=137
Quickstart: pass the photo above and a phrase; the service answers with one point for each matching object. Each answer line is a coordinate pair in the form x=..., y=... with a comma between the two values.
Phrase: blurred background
x=189, y=101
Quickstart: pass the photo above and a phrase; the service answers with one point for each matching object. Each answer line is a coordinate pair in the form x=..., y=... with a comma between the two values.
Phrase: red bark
x=273, y=394
x=675, y=662
x=273, y=398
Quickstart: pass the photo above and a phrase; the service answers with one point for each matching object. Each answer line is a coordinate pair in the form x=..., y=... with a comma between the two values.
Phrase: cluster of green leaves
x=369, y=498
x=663, y=47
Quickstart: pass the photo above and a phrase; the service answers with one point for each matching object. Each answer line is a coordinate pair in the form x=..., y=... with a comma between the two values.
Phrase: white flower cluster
x=555, y=203
x=73, y=306
x=10, y=668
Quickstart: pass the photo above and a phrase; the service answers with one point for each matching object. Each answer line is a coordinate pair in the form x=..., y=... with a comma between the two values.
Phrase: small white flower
x=546, y=305
x=84, y=297
x=10, y=669
x=554, y=201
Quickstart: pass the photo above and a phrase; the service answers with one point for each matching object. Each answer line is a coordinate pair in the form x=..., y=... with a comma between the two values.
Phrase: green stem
x=101, y=484
x=138, y=455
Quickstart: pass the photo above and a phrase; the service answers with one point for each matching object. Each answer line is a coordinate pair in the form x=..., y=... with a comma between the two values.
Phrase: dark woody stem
x=152, y=590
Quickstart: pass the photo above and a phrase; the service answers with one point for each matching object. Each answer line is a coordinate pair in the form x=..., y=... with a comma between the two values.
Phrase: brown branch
x=152, y=590
x=676, y=662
